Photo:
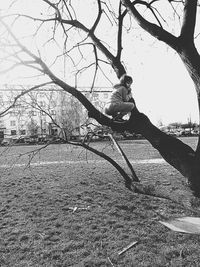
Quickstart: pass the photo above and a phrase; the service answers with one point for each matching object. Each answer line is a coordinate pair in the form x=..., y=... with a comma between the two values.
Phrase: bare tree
x=33, y=127
x=71, y=116
x=63, y=18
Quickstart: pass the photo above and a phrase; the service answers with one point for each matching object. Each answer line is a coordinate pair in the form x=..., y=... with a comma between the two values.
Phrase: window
x=41, y=103
x=96, y=103
x=22, y=132
x=32, y=113
x=41, y=94
x=95, y=96
x=1, y=134
x=12, y=123
x=42, y=113
x=64, y=112
x=105, y=95
x=1, y=100
x=13, y=113
x=13, y=132
x=54, y=131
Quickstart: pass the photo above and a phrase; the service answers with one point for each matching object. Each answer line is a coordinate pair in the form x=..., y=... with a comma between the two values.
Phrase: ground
x=71, y=208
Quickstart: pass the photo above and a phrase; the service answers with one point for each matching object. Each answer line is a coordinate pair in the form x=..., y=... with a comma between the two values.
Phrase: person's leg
x=118, y=116
x=109, y=109
x=118, y=110
x=124, y=108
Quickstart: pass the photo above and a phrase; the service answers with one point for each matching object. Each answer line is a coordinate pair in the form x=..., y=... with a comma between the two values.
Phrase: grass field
x=71, y=208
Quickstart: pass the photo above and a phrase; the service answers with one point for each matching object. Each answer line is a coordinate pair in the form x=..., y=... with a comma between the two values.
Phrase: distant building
x=45, y=111
x=29, y=114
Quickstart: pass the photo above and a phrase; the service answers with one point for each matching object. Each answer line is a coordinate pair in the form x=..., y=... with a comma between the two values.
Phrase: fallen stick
x=111, y=262
x=126, y=248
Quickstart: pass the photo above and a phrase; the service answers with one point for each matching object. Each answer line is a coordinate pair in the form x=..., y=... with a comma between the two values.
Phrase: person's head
x=126, y=80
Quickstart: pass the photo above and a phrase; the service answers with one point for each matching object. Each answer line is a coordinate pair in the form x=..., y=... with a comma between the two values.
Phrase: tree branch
x=128, y=180
x=98, y=17
x=153, y=29
x=119, y=35
x=189, y=20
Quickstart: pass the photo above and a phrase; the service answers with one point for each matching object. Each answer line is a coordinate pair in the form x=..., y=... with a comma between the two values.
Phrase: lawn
x=71, y=208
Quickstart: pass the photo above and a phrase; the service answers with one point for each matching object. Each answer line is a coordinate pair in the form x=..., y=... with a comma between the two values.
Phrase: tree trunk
x=174, y=151
x=191, y=59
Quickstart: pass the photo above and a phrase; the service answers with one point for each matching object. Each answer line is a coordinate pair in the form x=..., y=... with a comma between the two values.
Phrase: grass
x=80, y=213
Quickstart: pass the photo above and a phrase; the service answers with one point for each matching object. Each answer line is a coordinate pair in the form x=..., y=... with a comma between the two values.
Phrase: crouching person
x=121, y=101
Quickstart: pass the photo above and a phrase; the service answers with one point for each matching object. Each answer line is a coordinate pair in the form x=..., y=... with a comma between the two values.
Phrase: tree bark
x=174, y=151
x=191, y=59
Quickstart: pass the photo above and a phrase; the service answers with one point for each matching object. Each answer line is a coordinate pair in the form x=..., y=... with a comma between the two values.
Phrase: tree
x=70, y=117
x=33, y=127
x=63, y=19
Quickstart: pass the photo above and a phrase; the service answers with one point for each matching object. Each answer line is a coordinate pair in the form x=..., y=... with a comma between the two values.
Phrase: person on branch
x=121, y=101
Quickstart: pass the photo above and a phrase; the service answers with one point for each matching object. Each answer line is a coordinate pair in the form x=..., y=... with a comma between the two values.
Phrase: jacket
x=120, y=94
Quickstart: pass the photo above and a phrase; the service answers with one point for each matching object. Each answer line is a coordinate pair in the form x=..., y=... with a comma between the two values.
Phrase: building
x=45, y=111
x=26, y=114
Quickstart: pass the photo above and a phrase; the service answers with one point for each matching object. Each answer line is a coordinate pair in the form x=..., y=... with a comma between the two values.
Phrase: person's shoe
x=118, y=119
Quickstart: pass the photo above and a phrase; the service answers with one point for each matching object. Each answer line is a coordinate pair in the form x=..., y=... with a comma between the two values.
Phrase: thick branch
x=98, y=17
x=115, y=62
x=119, y=35
x=128, y=180
x=175, y=152
x=152, y=28
x=189, y=20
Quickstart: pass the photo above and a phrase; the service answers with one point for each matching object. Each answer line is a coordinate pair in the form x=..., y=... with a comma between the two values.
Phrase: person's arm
x=123, y=92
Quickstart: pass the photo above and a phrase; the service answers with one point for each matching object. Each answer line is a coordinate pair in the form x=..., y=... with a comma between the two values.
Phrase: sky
x=162, y=87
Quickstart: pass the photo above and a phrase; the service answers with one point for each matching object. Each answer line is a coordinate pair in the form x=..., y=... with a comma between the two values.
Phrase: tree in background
x=73, y=29
x=32, y=127
x=71, y=117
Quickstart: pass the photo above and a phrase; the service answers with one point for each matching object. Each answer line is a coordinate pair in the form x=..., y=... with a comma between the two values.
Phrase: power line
x=16, y=88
